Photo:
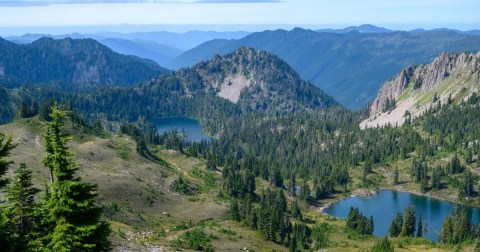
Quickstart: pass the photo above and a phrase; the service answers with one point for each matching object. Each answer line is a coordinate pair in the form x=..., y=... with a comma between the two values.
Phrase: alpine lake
x=191, y=128
x=384, y=206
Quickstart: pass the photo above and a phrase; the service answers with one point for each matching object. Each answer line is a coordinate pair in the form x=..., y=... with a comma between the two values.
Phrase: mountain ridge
x=352, y=66
x=72, y=61
x=448, y=78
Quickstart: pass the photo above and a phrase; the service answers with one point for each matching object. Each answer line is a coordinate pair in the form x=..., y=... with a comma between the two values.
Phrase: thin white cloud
x=55, y=2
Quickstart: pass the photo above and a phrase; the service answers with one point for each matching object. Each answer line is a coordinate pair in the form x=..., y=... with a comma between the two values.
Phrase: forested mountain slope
x=350, y=67
x=246, y=80
x=71, y=61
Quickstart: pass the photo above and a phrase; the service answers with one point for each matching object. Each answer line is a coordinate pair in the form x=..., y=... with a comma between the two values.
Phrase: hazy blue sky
x=396, y=14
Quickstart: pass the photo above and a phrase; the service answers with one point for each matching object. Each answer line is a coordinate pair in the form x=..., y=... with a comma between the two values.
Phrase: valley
x=256, y=141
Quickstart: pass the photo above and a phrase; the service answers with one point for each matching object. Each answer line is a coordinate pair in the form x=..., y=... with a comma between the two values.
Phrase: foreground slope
x=145, y=212
x=71, y=61
x=350, y=67
x=449, y=78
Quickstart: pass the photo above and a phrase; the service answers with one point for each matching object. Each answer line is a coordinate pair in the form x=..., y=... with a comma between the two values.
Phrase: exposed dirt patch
x=394, y=117
x=233, y=86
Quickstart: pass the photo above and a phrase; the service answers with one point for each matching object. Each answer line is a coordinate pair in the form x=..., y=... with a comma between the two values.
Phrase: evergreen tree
x=455, y=166
x=235, y=210
x=6, y=145
x=395, y=176
x=409, y=221
x=74, y=217
x=292, y=185
x=370, y=226
x=211, y=164
x=320, y=237
x=293, y=245
x=34, y=109
x=22, y=212
x=277, y=179
x=446, y=236
x=420, y=227
x=382, y=245
x=304, y=191
x=456, y=228
x=468, y=184
x=396, y=226
x=296, y=212
x=23, y=110
x=436, y=179
x=469, y=156
x=353, y=216
x=357, y=222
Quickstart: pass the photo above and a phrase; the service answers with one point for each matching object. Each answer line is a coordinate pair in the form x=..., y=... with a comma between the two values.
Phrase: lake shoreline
x=364, y=192
x=384, y=203
x=190, y=125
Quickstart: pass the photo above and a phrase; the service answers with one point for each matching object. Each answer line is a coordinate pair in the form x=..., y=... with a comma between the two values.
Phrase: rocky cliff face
x=392, y=89
x=411, y=89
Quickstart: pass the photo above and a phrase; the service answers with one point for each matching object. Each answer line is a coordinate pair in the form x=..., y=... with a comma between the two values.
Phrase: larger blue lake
x=191, y=127
x=385, y=205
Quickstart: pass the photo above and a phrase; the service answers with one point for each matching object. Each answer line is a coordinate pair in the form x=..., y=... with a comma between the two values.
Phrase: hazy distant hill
x=182, y=41
x=162, y=54
x=161, y=47
x=365, y=28
x=71, y=61
x=352, y=66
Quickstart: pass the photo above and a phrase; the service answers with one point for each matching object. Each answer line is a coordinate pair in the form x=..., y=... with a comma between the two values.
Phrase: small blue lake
x=385, y=205
x=191, y=127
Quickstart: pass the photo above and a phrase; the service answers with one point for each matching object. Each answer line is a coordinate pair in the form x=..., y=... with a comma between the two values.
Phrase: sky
x=248, y=15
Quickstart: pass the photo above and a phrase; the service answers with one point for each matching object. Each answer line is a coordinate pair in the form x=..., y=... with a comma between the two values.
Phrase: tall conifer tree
x=75, y=219
x=6, y=145
x=22, y=212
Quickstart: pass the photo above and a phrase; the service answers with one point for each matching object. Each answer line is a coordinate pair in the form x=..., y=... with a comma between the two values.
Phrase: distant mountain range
x=349, y=66
x=71, y=61
x=368, y=28
x=161, y=47
x=350, y=63
x=365, y=28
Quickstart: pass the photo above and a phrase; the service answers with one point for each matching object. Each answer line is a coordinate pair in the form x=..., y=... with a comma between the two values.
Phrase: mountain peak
x=253, y=79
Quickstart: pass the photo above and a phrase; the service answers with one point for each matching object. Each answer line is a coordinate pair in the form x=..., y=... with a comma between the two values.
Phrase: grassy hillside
x=147, y=214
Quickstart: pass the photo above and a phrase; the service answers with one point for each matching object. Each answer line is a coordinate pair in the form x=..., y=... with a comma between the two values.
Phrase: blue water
x=191, y=127
x=385, y=205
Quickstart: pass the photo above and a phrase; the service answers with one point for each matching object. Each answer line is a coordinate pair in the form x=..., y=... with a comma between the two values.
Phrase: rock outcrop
x=410, y=90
